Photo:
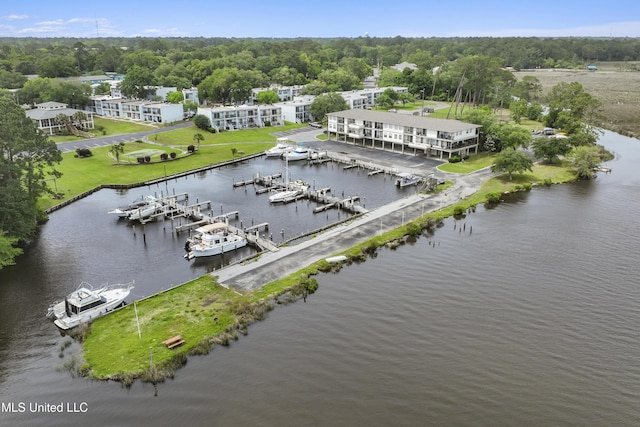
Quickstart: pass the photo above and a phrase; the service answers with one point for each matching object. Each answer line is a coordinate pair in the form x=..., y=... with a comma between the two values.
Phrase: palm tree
x=78, y=118
x=198, y=137
x=116, y=150
x=63, y=120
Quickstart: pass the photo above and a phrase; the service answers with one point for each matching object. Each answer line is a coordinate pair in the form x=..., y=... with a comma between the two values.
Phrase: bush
x=201, y=122
x=493, y=197
x=140, y=159
x=454, y=159
x=458, y=210
x=147, y=159
x=83, y=152
x=164, y=156
x=191, y=149
x=173, y=155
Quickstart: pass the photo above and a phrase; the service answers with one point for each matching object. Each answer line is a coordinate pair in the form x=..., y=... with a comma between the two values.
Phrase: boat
x=299, y=153
x=406, y=179
x=86, y=303
x=198, y=232
x=125, y=211
x=145, y=211
x=291, y=190
x=285, y=196
x=278, y=150
x=217, y=240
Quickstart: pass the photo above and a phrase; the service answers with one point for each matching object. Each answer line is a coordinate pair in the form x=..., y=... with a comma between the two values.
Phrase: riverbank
x=252, y=288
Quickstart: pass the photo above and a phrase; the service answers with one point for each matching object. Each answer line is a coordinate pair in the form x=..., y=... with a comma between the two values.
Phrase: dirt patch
x=616, y=85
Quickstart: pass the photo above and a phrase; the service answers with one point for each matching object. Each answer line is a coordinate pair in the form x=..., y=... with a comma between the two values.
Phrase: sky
x=325, y=18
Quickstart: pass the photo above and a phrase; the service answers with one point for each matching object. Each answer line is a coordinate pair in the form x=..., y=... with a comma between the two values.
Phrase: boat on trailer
x=86, y=303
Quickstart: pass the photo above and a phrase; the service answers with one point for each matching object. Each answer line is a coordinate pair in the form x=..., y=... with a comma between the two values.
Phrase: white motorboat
x=125, y=211
x=145, y=211
x=217, y=240
x=85, y=304
x=299, y=153
x=279, y=150
x=198, y=232
x=405, y=179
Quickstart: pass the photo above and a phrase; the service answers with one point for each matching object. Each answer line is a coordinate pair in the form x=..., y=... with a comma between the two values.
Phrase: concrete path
x=275, y=265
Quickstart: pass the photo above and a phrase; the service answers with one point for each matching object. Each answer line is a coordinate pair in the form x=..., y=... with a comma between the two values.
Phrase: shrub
x=458, y=210
x=191, y=148
x=173, y=155
x=164, y=156
x=83, y=152
x=454, y=159
x=147, y=159
x=493, y=197
x=201, y=122
x=140, y=159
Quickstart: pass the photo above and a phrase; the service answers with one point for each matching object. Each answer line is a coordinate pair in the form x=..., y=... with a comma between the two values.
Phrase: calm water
x=525, y=314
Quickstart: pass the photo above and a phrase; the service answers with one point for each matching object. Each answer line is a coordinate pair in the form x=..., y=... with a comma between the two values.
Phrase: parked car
x=315, y=125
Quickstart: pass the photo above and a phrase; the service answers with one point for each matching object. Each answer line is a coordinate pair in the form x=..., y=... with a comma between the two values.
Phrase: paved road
x=115, y=139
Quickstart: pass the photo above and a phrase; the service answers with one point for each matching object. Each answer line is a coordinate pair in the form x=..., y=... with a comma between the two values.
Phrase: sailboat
x=290, y=192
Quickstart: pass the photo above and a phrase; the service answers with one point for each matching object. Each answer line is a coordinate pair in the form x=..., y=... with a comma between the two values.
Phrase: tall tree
x=27, y=163
x=512, y=161
x=328, y=103
x=572, y=109
x=136, y=82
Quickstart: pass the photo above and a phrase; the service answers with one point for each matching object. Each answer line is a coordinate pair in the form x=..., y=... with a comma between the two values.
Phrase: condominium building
x=46, y=117
x=242, y=116
x=403, y=133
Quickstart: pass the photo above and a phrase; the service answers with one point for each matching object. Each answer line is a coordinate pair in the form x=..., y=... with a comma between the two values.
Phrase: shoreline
x=260, y=281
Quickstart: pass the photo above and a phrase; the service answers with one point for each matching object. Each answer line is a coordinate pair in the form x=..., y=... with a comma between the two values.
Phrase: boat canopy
x=212, y=228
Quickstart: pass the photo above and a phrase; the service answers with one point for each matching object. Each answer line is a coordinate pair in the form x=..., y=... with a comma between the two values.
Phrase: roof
x=41, y=113
x=406, y=120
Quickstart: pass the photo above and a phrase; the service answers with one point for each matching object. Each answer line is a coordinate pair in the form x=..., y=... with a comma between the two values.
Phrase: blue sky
x=328, y=18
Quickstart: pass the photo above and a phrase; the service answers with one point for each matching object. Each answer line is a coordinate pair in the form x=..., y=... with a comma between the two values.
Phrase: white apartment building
x=298, y=110
x=243, y=116
x=407, y=134
x=285, y=93
x=137, y=110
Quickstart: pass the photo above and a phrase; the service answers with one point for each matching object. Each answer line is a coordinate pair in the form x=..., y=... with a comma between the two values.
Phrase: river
x=523, y=314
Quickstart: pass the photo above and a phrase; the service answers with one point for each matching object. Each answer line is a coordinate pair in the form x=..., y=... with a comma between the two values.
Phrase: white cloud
x=14, y=17
x=49, y=23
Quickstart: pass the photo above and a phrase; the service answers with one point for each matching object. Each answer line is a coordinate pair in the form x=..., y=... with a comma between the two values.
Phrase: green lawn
x=111, y=127
x=83, y=174
x=80, y=175
x=472, y=164
x=184, y=136
x=119, y=127
x=114, y=346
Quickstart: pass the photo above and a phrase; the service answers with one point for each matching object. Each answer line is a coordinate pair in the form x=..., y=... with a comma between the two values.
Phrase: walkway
x=275, y=265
